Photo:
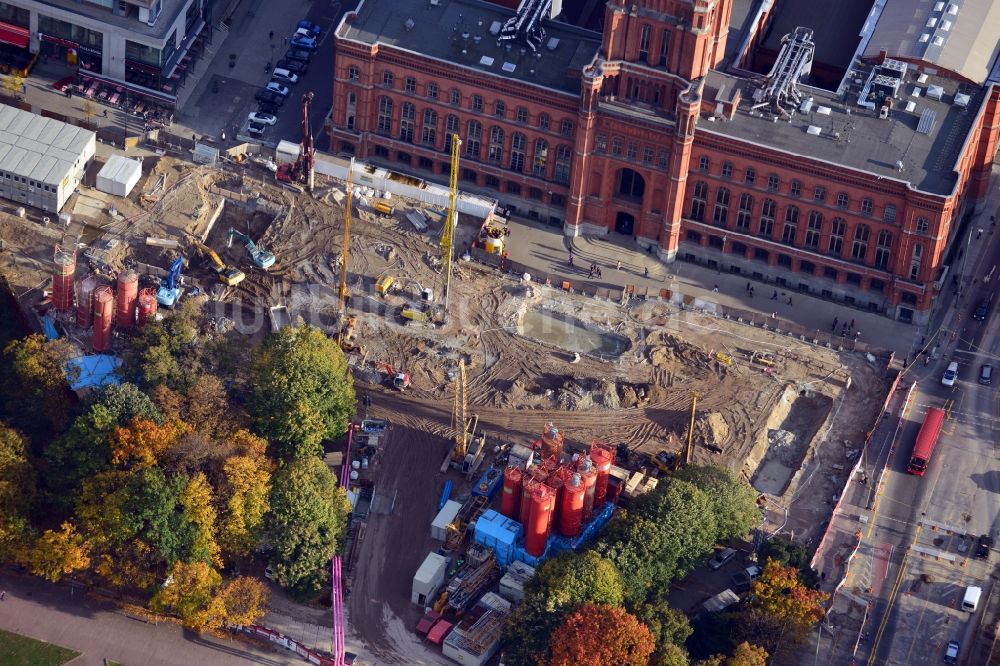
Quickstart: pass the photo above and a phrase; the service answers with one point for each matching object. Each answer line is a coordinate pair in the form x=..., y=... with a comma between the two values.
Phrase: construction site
x=477, y=385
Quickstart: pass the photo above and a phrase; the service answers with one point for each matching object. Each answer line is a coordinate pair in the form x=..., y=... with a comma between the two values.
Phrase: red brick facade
x=631, y=153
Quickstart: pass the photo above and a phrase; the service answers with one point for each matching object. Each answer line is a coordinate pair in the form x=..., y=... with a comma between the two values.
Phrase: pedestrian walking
x=834, y=326
x=857, y=334
x=748, y=286
x=590, y=274
x=751, y=292
x=647, y=271
x=618, y=266
x=774, y=315
x=774, y=297
x=715, y=289
x=851, y=326
x=105, y=113
x=789, y=300
x=270, y=36
x=3, y=594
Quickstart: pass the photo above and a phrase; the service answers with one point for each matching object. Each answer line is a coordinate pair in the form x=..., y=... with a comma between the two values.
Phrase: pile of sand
x=711, y=428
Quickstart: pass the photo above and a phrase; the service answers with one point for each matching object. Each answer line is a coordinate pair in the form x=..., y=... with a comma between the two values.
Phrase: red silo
x=552, y=442
x=528, y=486
x=128, y=292
x=571, y=506
x=510, y=500
x=539, y=521
x=104, y=312
x=85, y=301
x=589, y=474
x=62, y=278
x=555, y=484
x=602, y=458
x=147, y=306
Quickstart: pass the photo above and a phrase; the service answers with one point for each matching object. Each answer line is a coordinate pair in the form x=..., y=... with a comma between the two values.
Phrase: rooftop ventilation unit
x=434, y=3
x=962, y=100
x=927, y=120
x=938, y=41
x=931, y=22
x=939, y=6
x=924, y=38
x=885, y=86
x=917, y=92
x=806, y=106
x=935, y=92
x=910, y=106
x=823, y=110
x=922, y=78
x=945, y=26
x=495, y=28
x=953, y=9
x=508, y=67
x=780, y=90
x=552, y=44
x=409, y=24
x=486, y=61
x=892, y=68
x=815, y=131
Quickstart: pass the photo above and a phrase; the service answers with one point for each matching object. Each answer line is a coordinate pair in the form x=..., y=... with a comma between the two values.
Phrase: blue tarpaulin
x=50, y=328
x=92, y=371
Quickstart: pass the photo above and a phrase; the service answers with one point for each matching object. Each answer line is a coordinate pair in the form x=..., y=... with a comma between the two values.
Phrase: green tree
x=157, y=513
x=560, y=585
x=668, y=626
x=165, y=352
x=305, y=525
x=667, y=533
x=37, y=388
x=188, y=592
x=598, y=635
x=126, y=402
x=17, y=493
x=303, y=392
x=197, y=499
x=786, y=552
x=734, y=503
x=670, y=655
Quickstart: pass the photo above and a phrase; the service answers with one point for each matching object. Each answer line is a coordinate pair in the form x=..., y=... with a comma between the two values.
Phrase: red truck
x=927, y=439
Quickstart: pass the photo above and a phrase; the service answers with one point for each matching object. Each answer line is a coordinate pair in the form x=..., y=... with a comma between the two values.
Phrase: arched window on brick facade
x=644, y=36
x=860, y=247
x=517, y=144
x=915, y=258
x=721, y=212
x=814, y=229
x=767, y=212
x=450, y=130
x=428, y=134
x=561, y=172
x=384, y=126
x=495, y=152
x=541, y=157
x=744, y=212
x=837, y=230
x=698, y=201
x=791, y=226
x=883, y=249
x=474, y=136
x=406, y=122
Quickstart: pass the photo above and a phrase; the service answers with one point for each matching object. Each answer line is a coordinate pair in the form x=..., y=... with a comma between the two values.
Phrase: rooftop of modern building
x=169, y=10
x=961, y=36
x=464, y=32
x=836, y=26
x=38, y=148
x=837, y=130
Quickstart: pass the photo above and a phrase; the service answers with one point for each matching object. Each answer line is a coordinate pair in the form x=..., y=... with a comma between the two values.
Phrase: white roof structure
x=41, y=149
x=961, y=36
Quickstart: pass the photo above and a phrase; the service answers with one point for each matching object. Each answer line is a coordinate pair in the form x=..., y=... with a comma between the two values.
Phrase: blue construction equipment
x=169, y=292
x=261, y=257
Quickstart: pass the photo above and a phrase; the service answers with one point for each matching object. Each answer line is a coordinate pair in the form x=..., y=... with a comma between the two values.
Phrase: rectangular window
x=750, y=176
x=566, y=127
x=663, y=159
x=644, y=42
x=727, y=169
x=647, y=155
x=922, y=225
x=703, y=163
x=432, y=90
x=795, y=189
x=633, y=151
x=456, y=96
x=837, y=236
x=410, y=85
x=772, y=183
x=617, y=146
x=664, y=47
x=522, y=114
x=602, y=143
x=819, y=194
x=889, y=215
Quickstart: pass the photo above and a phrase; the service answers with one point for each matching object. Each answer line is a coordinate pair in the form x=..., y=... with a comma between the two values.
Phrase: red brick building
x=652, y=129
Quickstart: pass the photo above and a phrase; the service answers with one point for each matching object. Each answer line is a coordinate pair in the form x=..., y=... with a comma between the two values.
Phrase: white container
x=428, y=579
x=439, y=528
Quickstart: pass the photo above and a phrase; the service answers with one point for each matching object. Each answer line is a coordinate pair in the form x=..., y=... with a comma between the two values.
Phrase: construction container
x=147, y=306
x=513, y=581
x=62, y=279
x=439, y=527
x=104, y=313
x=521, y=455
x=571, y=506
x=429, y=579
x=498, y=533
x=589, y=475
x=438, y=632
x=476, y=638
x=128, y=294
x=383, y=207
x=489, y=483
x=536, y=532
x=119, y=175
x=510, y=498
x=603, y=458
x=85, y=301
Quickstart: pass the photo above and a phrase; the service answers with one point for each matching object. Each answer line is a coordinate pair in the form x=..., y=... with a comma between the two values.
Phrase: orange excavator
x=397, y=380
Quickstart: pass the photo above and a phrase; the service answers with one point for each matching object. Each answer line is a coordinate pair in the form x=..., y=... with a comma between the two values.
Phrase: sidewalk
x=548, y=249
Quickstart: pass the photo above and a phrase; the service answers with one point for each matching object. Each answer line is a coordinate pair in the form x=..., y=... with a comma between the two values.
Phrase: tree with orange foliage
x=143, y=442
x=599, y=634
x=782, y=609
x=241, y=601
x=58, y=553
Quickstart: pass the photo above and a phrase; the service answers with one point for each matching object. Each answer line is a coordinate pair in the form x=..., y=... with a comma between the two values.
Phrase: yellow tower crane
x=342, y=295
x=689, y=449
x=447, y=236
x=459, y=420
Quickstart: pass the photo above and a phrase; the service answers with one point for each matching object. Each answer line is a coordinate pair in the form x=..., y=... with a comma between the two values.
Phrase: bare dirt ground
x=791, y=431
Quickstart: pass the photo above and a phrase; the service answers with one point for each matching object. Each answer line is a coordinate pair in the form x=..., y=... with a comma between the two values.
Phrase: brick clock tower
x=645, y=84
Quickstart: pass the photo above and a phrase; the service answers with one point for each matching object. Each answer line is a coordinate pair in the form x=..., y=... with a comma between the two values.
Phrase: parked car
x=269, y=96
x=295, y=66
x=313, y=29
x=721, y=557
x=984, y=546
x=262, y=118
x=277, y=88
x=267, y=108
x=298, y=54
x=284, y=76
x=986, y=374
x=742, y=579
x=982, y=311
x=951, y=652
x=255, y=130
x=950, y=374
x=303, y=42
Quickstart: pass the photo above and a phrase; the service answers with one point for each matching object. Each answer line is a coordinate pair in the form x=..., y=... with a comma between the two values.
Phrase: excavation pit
x=571, y=334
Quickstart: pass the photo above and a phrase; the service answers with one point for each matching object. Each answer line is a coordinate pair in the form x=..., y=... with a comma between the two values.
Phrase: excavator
x=397, y=380
x=261, y=257
x=228, y=275
x=348, y=334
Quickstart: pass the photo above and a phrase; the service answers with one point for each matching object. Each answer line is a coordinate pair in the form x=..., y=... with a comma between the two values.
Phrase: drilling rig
x=447, y=235
x=302, y=169
x=467, y=452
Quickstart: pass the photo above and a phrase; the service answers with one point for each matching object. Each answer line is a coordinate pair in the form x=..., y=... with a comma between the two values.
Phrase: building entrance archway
x=625, y=223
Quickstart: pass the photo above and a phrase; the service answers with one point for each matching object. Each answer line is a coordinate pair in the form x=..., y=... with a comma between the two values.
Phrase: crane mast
x=458, y=418
x=449, y=225
x=307, y=151
x=342, y=295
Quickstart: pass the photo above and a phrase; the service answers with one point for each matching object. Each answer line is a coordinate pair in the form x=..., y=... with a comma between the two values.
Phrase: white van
x=971, y=600
x=950, y=375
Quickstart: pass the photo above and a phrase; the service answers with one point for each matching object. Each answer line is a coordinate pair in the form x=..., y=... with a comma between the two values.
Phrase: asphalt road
x=926, y=527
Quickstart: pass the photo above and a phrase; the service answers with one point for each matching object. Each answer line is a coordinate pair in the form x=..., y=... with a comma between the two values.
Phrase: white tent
x=119, y=175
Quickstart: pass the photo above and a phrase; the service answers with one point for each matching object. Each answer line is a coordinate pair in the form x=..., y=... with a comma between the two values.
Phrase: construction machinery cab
x=170, y=290
x=401, y=381
x=384, y=285
x=666, y=462
x=348, y=334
